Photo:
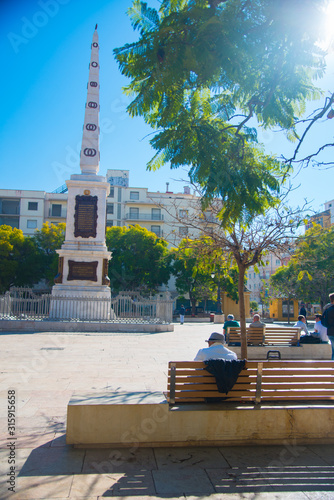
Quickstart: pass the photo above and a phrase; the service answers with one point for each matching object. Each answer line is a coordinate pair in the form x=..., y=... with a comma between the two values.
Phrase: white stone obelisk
x=82, y=285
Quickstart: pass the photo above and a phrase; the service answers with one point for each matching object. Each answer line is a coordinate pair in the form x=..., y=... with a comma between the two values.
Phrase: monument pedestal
x=81, y=302
x=81, y=290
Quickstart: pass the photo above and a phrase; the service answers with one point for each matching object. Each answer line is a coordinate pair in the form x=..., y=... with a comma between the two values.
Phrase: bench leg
x=258, y=383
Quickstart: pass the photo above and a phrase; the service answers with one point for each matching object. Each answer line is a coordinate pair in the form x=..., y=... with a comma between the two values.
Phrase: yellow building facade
x=278, y=309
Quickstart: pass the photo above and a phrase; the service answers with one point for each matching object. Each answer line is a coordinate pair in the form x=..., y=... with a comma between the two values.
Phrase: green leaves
x=139, y=259
x=201, y=70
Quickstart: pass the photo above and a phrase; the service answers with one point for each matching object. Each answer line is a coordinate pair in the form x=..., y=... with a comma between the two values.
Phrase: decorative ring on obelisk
x=93, y=84
x=91, y=126
x=92, y=104
x=94, y=64
x=89, y=152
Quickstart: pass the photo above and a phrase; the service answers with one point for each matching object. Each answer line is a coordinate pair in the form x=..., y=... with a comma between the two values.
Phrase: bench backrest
x=282, y=335
x=273, y=380
x=255, y=335
x=189, y=382
x=276, y=335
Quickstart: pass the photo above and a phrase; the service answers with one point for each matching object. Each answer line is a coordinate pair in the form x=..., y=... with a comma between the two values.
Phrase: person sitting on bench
x=216, y=350
x=256, y=323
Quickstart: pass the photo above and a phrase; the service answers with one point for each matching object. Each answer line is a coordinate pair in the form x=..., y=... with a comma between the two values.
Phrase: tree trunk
x=242, y=311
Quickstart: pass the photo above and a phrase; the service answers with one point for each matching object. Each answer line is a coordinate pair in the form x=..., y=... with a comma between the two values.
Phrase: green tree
x=192, y=273
x=139, y=259
x=312, y=265
x=201, y=70
x=49, y=239
x=245, y=246
x=193, y=263
x=19, y=259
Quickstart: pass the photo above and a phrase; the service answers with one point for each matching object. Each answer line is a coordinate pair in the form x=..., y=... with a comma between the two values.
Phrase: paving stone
x=107, y=485
x=236, y=480
x=274, y=456
x=107, y=460
x=182, y=458
x=326, y=452
x=40, y=487
x=185, y=482
x=45, y=380
x=58, y=461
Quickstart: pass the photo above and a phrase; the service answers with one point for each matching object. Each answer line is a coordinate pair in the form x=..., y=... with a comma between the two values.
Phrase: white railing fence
x=129, y=307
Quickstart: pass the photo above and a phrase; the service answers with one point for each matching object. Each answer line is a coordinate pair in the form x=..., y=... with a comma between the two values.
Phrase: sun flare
x=328, y=42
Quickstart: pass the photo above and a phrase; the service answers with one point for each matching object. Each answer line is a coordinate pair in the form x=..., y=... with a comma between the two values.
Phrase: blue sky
x=45, y=48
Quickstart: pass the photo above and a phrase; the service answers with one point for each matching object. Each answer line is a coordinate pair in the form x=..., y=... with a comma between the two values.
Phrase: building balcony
x=58, y=214
x=144, y=216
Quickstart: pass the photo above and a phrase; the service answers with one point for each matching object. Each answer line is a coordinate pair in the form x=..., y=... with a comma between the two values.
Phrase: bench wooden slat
x=277, y=380
x=267, y=336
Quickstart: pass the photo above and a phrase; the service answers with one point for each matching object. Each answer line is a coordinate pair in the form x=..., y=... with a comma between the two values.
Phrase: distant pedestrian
x=182, y=313
x=303, y=312
x=328, y=321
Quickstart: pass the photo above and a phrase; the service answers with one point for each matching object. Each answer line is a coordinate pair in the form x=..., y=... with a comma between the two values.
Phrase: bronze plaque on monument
x=82, y=270
x=85, y=216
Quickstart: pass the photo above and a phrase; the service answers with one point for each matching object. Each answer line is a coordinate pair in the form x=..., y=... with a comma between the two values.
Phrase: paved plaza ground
x=42, y=370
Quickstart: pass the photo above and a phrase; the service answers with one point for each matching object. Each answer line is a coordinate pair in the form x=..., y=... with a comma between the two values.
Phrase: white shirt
x=302, y=325
x=216, y=351
x=321, y=330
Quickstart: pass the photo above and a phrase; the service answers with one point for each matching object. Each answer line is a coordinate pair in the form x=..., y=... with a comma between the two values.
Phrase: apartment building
x=325, y=219
x=163, y=213
x=22, y=209
x=257, y=281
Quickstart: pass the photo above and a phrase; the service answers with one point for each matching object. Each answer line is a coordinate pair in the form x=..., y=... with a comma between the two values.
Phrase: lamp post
x=219, y=304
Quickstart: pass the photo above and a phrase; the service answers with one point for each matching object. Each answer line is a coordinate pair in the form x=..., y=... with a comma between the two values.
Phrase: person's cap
x=216, y=337
x=317, y=315
x=230, y=316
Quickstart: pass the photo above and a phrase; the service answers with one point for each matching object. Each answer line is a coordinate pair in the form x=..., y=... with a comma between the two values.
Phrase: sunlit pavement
x=40, y=372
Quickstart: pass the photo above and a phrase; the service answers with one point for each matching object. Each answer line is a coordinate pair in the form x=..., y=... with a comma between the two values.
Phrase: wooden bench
x=276, y=335
x=255, y=336
x=190, y=382
x=282, y=335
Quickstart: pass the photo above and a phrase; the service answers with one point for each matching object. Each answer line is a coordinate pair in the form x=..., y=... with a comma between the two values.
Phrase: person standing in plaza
x=182, y=313
x=328, y=321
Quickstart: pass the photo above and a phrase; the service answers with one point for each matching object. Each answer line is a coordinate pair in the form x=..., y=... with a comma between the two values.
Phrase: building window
x=56, y=210
x=183, y=213
x=183, y=231
x=134, y=213
x=112, y=192
x=110, y=208
x=134, y=195
x=156, y=230
x=278, y=262
x=31, y=224
x=156, y=214
x=110, y=223
x=9, y=221
x=32, y=205
x=9, y=207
